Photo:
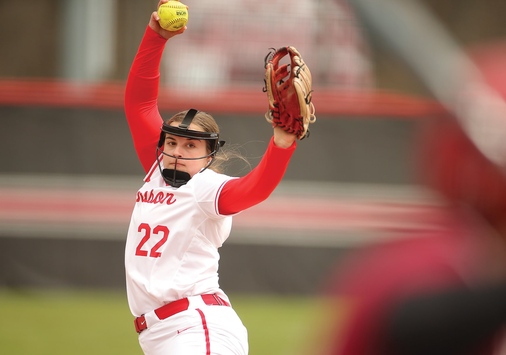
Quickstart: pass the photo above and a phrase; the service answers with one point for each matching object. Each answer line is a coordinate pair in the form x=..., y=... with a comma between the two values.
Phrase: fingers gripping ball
x=173, y=15
x=289, y=92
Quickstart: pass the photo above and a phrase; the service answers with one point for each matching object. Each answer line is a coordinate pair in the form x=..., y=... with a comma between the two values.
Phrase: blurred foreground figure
x=438, y=291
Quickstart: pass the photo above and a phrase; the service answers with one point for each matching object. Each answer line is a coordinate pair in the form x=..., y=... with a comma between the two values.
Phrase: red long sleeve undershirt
x=144, y=120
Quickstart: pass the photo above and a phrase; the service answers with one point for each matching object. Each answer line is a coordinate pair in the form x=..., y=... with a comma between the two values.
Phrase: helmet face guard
x=179, y=178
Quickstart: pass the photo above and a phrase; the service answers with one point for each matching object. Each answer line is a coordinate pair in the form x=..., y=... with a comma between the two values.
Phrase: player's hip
x=200, y=329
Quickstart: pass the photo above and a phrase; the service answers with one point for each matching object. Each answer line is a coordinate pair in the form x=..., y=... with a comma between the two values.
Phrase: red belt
x=175, y=307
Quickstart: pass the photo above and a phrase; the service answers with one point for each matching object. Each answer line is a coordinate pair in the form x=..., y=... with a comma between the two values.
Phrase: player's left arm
x=244, y=192
x=289, y=94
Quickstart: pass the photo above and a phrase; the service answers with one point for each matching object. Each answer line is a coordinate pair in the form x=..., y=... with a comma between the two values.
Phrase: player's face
x=182, y=147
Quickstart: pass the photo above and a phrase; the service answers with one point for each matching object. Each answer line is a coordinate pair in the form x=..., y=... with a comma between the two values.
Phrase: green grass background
x=38, y=322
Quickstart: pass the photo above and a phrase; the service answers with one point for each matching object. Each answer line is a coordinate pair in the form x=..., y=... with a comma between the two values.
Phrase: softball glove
x=288, y=88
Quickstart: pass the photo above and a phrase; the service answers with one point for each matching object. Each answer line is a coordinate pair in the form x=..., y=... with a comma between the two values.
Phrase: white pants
x=200, y=330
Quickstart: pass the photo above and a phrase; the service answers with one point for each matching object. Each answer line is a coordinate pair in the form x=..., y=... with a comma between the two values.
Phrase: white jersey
x=173, y=239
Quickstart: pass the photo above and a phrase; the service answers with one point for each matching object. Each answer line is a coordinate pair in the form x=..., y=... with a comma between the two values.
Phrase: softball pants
x=200, y=330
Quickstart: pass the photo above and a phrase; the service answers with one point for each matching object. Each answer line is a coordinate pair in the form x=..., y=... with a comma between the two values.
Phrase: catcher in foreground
x=288, y=88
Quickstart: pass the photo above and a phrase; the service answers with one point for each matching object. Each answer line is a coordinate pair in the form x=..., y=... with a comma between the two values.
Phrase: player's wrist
x=283, y=139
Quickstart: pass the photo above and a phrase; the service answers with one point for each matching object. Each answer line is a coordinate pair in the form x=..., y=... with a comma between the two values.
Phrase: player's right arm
x=141, y=93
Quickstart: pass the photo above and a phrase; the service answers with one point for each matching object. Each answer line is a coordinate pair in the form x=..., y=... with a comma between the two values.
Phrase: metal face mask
x=178, y=178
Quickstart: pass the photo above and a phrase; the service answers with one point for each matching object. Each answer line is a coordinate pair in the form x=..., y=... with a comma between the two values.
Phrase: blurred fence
x=225, y=44
x=69, y=169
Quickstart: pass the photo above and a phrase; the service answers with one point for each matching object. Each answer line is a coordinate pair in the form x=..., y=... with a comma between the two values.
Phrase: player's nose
x=177, y=152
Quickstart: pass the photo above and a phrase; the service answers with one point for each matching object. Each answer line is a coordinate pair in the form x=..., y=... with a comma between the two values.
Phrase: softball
x=173, y=15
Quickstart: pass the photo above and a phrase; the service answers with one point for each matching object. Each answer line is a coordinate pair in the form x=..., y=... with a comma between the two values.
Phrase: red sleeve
x=141, y=97
x=253, y=188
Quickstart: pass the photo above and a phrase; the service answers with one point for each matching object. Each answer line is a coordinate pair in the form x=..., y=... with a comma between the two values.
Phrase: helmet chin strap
x=178, y=178
x=173, y=177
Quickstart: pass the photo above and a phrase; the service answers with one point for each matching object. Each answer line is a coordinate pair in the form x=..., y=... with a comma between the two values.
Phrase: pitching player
x=182, y=215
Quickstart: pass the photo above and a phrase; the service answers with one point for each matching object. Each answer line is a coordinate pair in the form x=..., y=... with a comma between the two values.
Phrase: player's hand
x=282, y=138
x=155, y=25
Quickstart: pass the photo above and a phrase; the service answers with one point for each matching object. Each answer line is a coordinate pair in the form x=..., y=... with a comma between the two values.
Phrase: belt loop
x=140, y=324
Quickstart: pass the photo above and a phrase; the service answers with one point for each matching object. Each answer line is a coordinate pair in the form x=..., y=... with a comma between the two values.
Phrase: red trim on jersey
x=152, y=170
x=206, y=331
x=217, y=200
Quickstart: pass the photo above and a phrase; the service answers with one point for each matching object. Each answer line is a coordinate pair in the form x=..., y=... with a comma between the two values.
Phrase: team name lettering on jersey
x=151, y=197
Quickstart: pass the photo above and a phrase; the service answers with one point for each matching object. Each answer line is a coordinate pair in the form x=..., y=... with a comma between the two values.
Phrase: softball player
x=182, y=215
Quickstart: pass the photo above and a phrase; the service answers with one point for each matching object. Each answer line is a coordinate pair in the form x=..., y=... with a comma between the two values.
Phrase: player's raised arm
x=290, y=112
x=141, y=93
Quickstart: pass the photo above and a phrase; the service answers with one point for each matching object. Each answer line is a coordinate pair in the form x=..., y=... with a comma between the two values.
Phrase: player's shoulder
x=207, y=182
x=209, y=177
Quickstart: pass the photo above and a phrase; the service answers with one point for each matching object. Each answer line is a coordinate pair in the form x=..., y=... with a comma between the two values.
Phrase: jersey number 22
x=145, y=228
